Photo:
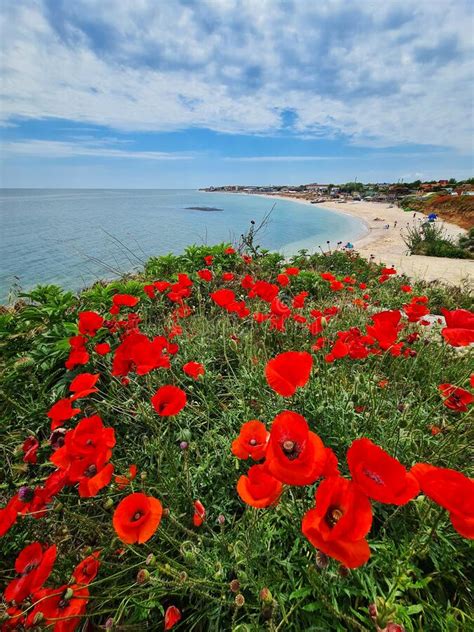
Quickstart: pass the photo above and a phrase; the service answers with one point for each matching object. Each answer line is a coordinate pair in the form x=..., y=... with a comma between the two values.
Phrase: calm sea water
x=69, y=236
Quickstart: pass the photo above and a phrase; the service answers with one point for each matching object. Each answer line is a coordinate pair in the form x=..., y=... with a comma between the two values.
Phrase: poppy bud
x=68, y=594
x=151, y=559
x=142, y=576
x=166, y=512
x=108, y=503
x=373, y=612
x=26, y=494
x=394, y=627
x=240, y=600
x=109, y=624
x=183, y=577
x=234, y=585
x=322, y=560
x=143, y=475
x=265, y=595
x=38, y=618
x=183, y=445
x=221, y=519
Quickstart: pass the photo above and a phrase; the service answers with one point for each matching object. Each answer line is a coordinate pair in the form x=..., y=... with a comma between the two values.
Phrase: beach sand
x=387, y=245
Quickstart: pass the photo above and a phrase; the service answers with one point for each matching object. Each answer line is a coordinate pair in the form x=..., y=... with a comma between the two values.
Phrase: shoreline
x=387, y=245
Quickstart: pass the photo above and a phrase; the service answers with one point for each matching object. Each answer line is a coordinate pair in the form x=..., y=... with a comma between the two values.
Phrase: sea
x=74, y=237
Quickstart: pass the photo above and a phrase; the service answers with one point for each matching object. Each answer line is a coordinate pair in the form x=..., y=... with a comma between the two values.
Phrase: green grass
x=420, y=566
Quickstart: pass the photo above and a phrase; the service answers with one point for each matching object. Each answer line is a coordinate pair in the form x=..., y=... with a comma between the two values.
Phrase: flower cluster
x=77, y=451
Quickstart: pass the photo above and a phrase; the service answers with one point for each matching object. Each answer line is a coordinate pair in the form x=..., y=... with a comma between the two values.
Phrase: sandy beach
x=387, y=245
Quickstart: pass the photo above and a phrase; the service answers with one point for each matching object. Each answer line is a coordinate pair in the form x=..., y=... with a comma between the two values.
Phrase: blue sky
x=188, y=93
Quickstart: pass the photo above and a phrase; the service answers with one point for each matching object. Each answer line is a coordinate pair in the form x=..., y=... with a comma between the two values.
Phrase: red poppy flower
x=92, y=482
x=339, y=523
x=459, y=330
x=208, y=259
x=247, y=259
x=415, y=311
x=379, y=475
x=62, y=411
x=456, y=399
x=123, y=481
x=283, y=280
x=228, y=276
x=103, y=348
x=252, y=441
x=83, y=385
x=61, y=607
x=138, y=353
x=247, y=282
x=149, y=290
x=385, y=328
x=452, y=490
x=162, y=286
x=264, y=290
x=327, y=276
x=137, y=517
x=406, y=288
x=77, y=357
x=9, y=514
x=30, y=448
x=294, y=455
x=259, y=489
x=194, y=369
x=279, y=308
x=229, y=251
x=168, y=400
x=126, y=300
x=86, y=571
x=172, y=616
x=34, y=567
x=299, y=300
x=89, y=323
x=199, y=513
x=90, y=438
x=331, y=464
x=336, y=286
x=292, y=271
x=223, y=297
x=205, y=275
x=289, y=371
x=15, y=619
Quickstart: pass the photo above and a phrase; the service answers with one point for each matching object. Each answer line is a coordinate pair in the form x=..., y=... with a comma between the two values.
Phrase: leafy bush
x=430, y=239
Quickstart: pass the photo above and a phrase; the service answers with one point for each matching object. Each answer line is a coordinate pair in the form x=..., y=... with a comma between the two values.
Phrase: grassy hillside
x=388, y=547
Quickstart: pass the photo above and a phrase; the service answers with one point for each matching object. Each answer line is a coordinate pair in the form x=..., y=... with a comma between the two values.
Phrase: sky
x=192, y=93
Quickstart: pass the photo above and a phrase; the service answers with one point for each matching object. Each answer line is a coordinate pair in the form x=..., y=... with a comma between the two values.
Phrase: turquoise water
x=68, y=236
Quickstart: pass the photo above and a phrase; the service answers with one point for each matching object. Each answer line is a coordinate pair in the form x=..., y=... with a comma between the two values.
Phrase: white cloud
x=379, y=73
x=67, y=149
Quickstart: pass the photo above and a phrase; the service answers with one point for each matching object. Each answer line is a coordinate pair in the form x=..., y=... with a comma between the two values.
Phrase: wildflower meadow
x=229, y=441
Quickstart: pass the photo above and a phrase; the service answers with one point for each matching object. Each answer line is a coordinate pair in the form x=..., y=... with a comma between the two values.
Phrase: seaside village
x=358, y=191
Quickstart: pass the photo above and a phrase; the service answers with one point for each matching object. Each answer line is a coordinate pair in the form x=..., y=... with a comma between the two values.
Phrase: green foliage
x=430, y=239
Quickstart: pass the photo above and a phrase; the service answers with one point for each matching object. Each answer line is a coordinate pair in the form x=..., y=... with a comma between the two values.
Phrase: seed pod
x=234, y=585
x=142, y=576
x=240, y=600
